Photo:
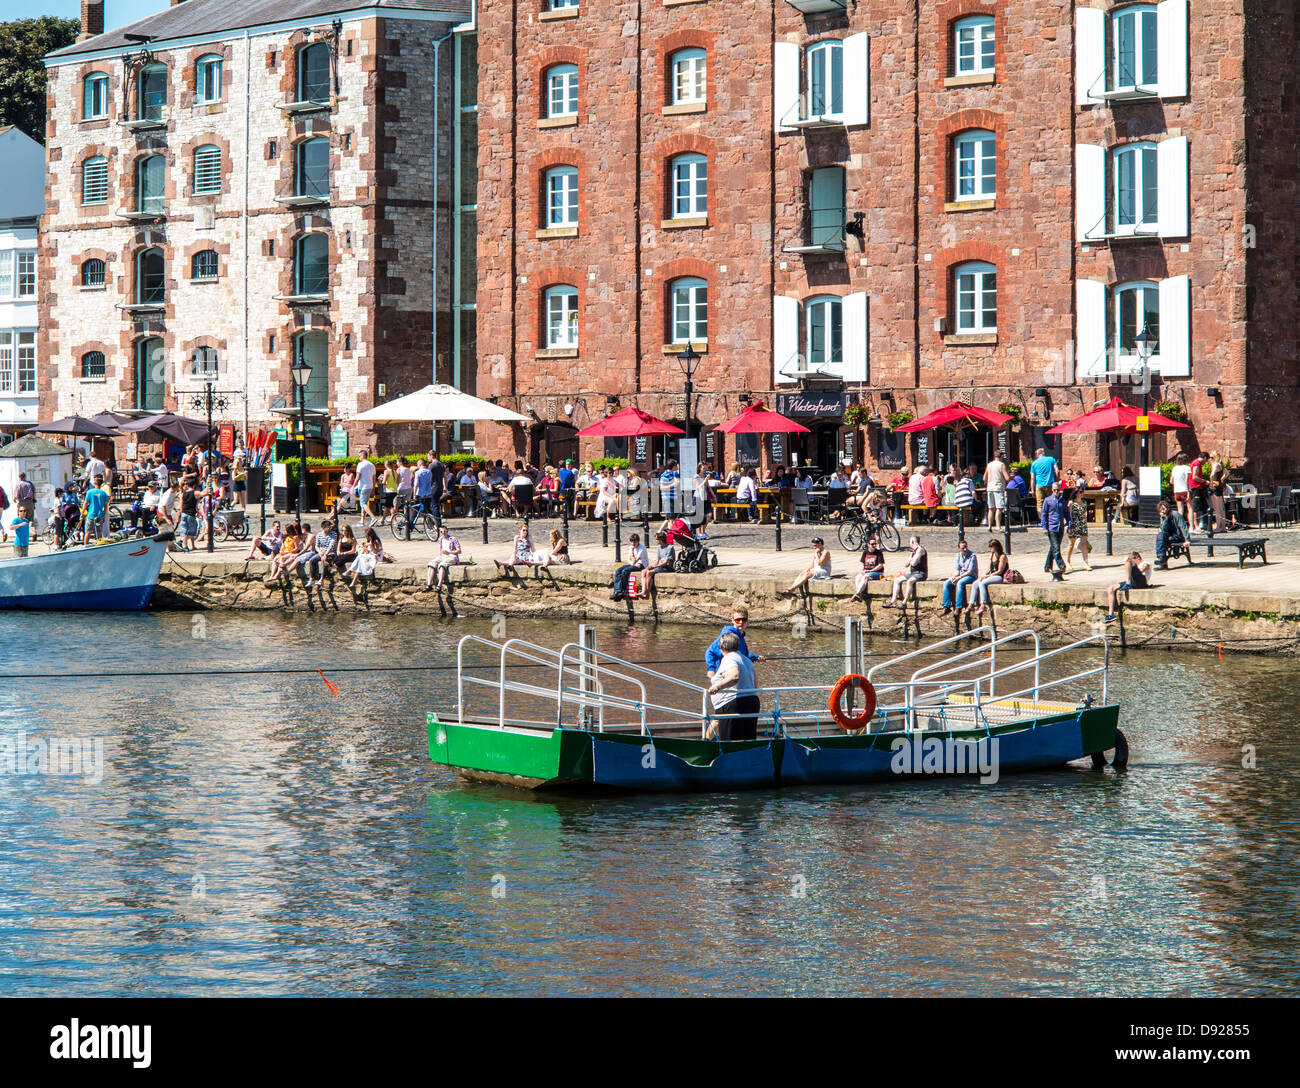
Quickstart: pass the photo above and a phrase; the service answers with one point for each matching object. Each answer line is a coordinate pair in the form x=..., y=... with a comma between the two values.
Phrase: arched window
x=562, y=196
x=972, y=45
x=977, y=297
x=204, y=265
x=207, y=73
x=1135, y=40
x=826, y=79
x=312, y=265
x=93, y=273
x=687, y=76
x=314, y=73
x=312, y=348
x=94, y=96
x=689, y=300
x=207, y=170
x=561, y=316
x=690, y=186
x=150, y=277
x=94, y=181
x=975, y=165
x=150, y=375
x=824, y=331
x=562, y=90
x=1137, y=187
x=93, y=365
x=151, y=185
x=203, y=361
x=151, y=93
x=312, y=168
x=1137, y=305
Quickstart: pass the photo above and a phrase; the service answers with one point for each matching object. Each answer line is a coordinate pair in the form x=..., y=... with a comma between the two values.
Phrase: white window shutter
x=1171, y=172
x=1090, y=306
x=857, y=79
x=1089, y=54
x=785, y=85
x=853, y=311
x=1171, y=55
x=785, y=337
x=1175, y=347
x=1090, y=191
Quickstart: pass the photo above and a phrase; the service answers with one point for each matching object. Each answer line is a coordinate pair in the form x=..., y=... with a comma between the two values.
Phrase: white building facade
x=22, y=199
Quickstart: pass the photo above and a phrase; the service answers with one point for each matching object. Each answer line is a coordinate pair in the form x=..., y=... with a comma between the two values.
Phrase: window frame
x=567, y=194
x=94, y=85
x=24, y=257
x=86, y=375
x=204, y=355
x=560, y=312
x=981, y=44
x=828, y=305
x=832, y=50
x=980, y=291
x=215, y=262
x=101, y=163
x=975, y=139
x=568, y=93
x=301, y=81
x=834, y=239
x=203, y=69
x=207, y=171
x=1115, y=331
x=317, y=391
x=692, y=169
x=143, y=286
x=159, y=199
x=142, y=382
x=302, y=170
x=143, y=111
x=300, y=282
x=688, y=303
x=1145, y=196
x=85, y=271
x=697, y=61
x=560, y=5
x=1142, y=49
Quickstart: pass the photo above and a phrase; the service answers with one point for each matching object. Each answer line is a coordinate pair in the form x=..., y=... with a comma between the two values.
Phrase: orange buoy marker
x=1220, y=651
x=847, y=722
x=333, y=689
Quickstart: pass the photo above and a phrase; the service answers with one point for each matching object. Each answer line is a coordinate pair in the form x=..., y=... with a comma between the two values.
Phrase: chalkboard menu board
x=850, y=444
x=747, y=449
x=615, y=447
x=778, y=449
x=922, y=448
x=642, y=449
x=891, y=449
x=1003, y=441
x=711, y=447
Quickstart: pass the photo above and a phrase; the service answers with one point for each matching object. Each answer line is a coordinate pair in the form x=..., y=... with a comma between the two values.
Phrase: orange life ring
x=856, y=721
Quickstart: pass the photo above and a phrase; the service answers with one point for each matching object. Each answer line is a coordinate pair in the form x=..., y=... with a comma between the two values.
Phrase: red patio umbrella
x=628, y=423
x=958, y=414
x=758, y=419
x=1114, y=415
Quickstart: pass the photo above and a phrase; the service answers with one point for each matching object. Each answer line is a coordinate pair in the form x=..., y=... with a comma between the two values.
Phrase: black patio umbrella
x=76, y=425
x=178, y=429
x=110, y=419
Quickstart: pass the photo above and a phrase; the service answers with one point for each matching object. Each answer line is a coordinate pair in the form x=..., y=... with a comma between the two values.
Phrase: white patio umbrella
x=438, y=403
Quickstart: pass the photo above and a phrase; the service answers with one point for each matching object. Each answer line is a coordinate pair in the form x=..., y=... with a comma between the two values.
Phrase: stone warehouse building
x=894, y=204
x=234, y=185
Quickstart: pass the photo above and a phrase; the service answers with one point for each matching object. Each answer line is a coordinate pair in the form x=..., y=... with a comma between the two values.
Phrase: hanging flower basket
x=855, y=415
x=899, y=419
x=1012, y=410
x=1170, y=409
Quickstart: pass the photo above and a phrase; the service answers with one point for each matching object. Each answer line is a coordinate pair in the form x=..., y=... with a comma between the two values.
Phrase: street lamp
x=205, y=363
x=301, y=371
x=688, y=358
x=1146, y=346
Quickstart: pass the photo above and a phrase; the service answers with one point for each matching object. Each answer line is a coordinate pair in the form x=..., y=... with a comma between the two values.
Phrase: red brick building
x=893, y=205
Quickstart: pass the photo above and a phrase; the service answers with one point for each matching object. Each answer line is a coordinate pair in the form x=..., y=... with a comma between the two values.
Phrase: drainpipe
x=248, y=78
x=437, y=186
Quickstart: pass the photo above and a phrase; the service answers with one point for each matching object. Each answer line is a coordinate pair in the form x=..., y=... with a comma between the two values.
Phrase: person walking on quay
x=1180, y=478
x=732, y=692
x=916, y=570
x=22, y=528
x=1044, y=471
x=1077, y=530
x=437, y=486
x=25, y=497
x=818, y=568
x=966, y=569
x=739, y=621
x=1054, y=517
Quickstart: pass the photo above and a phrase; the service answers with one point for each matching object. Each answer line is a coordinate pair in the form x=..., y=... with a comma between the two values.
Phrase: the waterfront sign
x=814, y=405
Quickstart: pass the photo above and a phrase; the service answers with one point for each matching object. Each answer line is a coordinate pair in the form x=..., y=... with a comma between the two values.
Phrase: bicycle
x=853, y=533
x=412, y=516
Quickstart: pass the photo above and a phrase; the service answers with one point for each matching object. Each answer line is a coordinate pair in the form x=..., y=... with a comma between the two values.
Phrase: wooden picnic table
x=1099, y=503
x=768, y=499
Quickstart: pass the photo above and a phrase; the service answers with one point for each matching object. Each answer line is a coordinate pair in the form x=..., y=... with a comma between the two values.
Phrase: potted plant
x=898, y=419
x=1012, y=410
x=1170, y=409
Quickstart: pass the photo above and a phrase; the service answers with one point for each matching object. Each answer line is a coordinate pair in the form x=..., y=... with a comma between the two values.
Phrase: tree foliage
x=23, y=45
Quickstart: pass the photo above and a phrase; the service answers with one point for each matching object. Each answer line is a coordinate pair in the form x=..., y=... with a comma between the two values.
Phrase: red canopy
x=958, y=414
x=757, y=419
x=1114, y=415
x=628, y=423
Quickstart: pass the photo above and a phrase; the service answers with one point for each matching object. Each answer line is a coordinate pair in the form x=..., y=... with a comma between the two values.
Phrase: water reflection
x=261, y=835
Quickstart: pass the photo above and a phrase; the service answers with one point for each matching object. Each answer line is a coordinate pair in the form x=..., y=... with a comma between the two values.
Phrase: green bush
x=1166, y=487
x=1022, y=468
x=898, y=419
x=610, y=462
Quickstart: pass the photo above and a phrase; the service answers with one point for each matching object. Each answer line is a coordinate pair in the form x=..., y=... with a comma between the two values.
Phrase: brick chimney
x=92, y=19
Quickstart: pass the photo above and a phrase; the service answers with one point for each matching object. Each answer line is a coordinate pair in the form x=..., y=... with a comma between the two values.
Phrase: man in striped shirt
x=964, y=498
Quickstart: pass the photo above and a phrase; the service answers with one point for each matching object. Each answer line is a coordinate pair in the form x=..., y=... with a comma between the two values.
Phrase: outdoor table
x=768, y=498
x=1259, y=497
x=1099, y=504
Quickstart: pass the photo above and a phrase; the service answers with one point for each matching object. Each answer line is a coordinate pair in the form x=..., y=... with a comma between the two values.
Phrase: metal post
x=1110, y=529
x=211, y=503
x=852, y=645
x=687, y=436
x=777, y=515
x=302, y=434
x=587, y=674
x=604, y=530
x=618, y=536
x=483, y=510
x=566, y=496
x=1006, y=531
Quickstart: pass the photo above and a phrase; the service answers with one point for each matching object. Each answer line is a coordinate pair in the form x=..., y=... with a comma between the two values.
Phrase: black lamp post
x=1146, y=345
x=211, y=402
x=688, y=358
x=301, y=371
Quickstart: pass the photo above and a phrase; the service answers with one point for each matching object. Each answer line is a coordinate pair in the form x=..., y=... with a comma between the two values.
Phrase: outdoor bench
x=1247, y=547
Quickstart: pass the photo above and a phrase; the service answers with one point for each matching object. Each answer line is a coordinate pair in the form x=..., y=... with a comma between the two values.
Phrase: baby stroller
x=693, y=556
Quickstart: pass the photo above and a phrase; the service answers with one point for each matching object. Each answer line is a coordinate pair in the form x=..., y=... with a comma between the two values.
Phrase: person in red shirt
x=930, y=491
x=1200, y=494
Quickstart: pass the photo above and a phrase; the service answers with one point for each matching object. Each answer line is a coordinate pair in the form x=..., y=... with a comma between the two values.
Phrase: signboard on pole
x=226, y=439
x=338, y=442
x=778, y=448
x=642, y=449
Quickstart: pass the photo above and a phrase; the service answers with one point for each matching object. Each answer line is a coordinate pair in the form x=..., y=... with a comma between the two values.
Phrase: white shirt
x=746, y=491
x=743, y=686
x=167, y=500
x=95, y=467
x=150, y=500
x=915, y=489
x=366, y=474
x=638, y=556
x=995, y=475
x=1180, y=476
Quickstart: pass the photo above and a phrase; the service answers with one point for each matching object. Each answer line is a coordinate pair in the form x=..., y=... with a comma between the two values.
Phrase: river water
x=256, y=834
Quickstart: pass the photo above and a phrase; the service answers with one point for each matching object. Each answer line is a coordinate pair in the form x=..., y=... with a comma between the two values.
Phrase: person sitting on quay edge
x=818, y=568
x=1137, y=575
x=998, y=566
x=732, y=693
x=638, y=559
x=966, y=569
x=664, y=559
x=347, y=551
x=439, y=568
x=522, y=550
x=283, y=560
x=916, y=570
x=873, y=567
x=739, y=621
x=267, y=544
x=1173, y=530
